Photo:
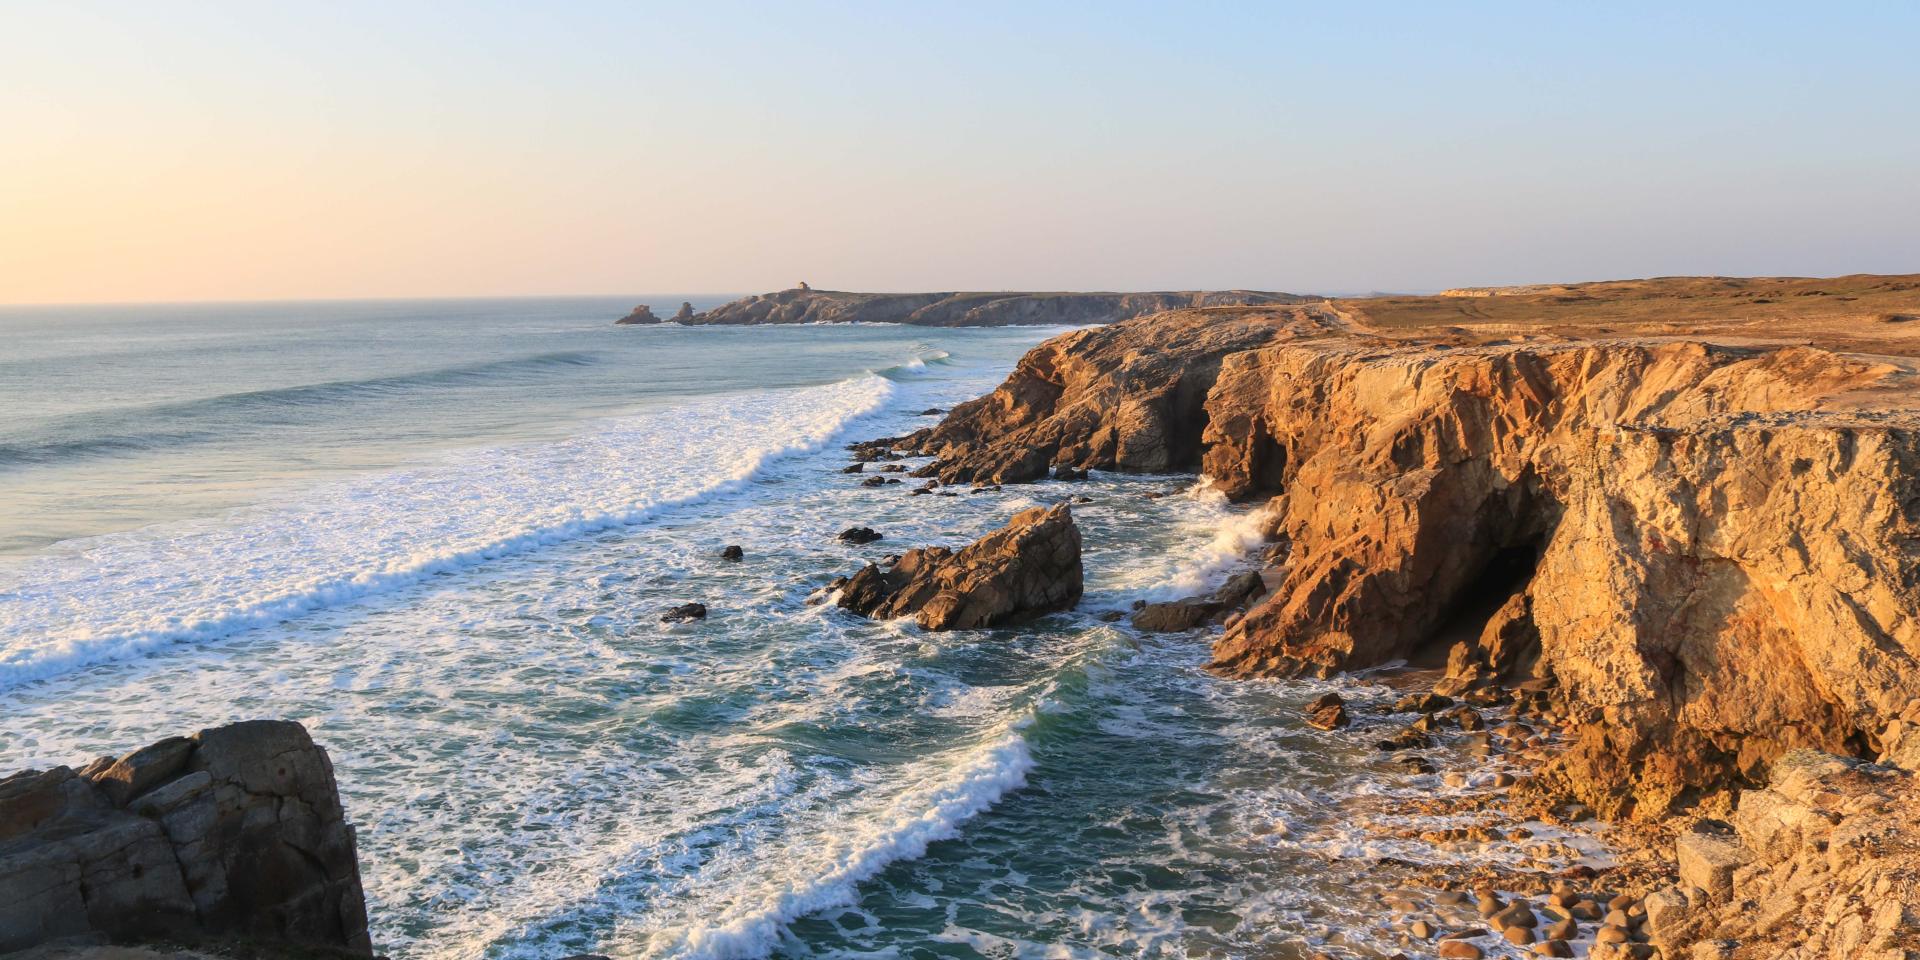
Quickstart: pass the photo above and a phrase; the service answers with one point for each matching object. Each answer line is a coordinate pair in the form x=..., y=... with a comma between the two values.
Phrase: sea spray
x=123, y=596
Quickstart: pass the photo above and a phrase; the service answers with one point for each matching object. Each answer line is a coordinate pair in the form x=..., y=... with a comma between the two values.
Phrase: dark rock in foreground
x=1026, y=569
x=859, y=535
x=235, y=832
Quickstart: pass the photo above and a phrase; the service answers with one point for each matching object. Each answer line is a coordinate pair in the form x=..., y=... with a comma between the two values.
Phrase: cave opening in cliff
x=1506, y=573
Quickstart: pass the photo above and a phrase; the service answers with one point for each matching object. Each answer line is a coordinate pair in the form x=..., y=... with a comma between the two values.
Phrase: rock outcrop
x=1714, y=547
x=1822, y=864
x=1026, y=569
x=805, y=305
x=685, y=314
x=235, y=832
x=641, y=314
x=1711, y=549
x=1129, y=396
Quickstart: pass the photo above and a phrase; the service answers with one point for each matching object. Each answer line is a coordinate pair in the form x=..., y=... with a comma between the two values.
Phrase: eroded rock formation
x=1823, y=864
x=1711, y=549
x=1124, y=397
x=641, y=314
x=235, y=832
x=1026, y=569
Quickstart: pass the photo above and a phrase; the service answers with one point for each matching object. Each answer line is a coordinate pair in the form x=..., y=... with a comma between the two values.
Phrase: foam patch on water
x=122, y=596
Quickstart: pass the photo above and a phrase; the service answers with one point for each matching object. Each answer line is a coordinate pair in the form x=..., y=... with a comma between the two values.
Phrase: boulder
x=685, y=314
x=732, y=552
x=684, y=613
x=1327, y=712
x=859, y=535
x=1026, y=569
x=236, y=832
x=1179, y=615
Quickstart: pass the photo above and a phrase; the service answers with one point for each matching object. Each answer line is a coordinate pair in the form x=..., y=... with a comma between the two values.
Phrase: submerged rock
x=235, y=832
x=1026, y=569
x=733, y=553
x=684, y=613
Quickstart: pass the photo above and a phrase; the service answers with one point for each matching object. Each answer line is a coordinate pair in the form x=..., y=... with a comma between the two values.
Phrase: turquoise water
x=441, y=535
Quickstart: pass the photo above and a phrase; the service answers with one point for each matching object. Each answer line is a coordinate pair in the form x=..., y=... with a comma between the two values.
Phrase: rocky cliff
x=233, y=833
x=805, y=305
x=1710, y=545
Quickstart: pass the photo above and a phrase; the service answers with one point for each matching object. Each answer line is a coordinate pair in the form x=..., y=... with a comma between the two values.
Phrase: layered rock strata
x=804, y=305
x=1029, y=568
x=235, y=832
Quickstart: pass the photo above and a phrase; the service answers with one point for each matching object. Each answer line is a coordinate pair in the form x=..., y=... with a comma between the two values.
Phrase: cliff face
x=236, y=831
x=1717, y=550
x=1129, y=396
x=1712, y=549
x=803, y=305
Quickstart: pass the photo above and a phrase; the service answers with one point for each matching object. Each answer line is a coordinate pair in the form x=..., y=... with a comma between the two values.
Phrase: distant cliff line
x=802, y=304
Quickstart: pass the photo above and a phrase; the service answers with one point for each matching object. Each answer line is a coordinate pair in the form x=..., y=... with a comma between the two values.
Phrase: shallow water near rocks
x=537, y=766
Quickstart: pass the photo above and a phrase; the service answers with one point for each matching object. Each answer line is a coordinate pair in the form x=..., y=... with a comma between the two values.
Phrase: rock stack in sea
x=1026, y=569
x=234, y=833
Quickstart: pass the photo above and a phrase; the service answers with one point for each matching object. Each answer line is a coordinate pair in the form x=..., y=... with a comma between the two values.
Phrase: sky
x=160, y=151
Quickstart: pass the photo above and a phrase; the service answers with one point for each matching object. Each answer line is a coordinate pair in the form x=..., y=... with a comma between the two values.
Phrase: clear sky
x=213, y=150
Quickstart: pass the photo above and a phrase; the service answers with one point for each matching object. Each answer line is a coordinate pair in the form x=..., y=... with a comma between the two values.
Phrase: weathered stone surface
x=1191, y=612
x=1707, y=860
x=236, y=831
x=641, y=314
x=1026, y=569
x=1125, y=397
x=1827, y=867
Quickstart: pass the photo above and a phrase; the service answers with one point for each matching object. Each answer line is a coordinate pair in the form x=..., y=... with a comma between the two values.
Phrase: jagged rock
x=1622, y=504
x=1827, y=867
x=854, y=468
x=235, y=832
x=1707, y=859
x=859, y=535
x=1326, y=712
x=1178, y=615
x=641, y=314
x=1026, y=569
x=685, y=314
x=684, y=613
x=1125, y=397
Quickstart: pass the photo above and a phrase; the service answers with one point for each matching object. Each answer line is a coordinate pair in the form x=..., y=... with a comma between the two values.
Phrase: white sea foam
x=825, y=870
x=118, y=597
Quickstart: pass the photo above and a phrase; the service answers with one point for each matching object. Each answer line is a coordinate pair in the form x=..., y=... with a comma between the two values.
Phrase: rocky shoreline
x=1661, y=578
x=1696, y=557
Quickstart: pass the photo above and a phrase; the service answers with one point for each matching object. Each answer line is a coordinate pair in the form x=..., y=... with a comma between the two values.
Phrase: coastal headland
x=1658, y=538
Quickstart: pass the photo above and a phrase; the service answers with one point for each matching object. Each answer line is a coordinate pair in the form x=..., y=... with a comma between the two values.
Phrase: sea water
x=441, y=535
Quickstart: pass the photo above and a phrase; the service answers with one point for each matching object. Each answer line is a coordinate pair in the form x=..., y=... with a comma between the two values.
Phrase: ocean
x=440, y=534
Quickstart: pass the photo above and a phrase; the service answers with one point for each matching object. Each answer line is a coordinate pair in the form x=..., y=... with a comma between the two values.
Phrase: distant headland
x=803, y=304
